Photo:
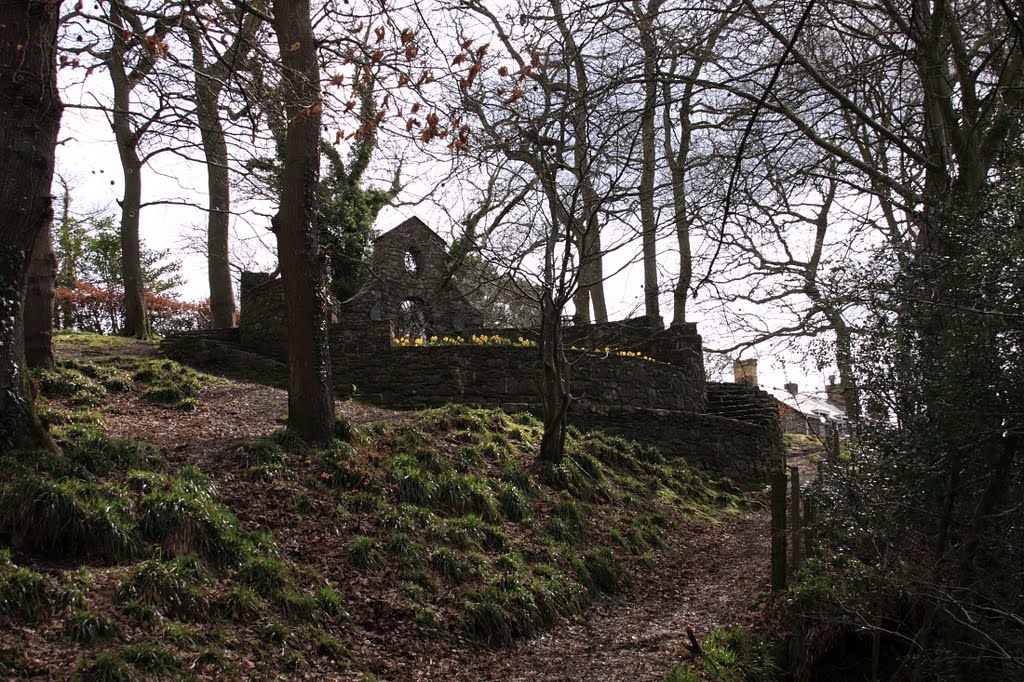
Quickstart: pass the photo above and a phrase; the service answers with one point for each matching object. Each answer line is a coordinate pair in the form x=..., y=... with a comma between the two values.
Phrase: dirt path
x=713, y=576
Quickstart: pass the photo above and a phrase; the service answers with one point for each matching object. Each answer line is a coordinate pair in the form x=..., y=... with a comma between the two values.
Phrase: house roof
x=809, y=403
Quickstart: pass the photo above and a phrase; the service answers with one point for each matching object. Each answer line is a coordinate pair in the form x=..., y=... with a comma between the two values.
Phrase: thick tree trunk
x=29, y=120
x=310, y=399
x=680, y=292
x=581, y=302
x=39, y=293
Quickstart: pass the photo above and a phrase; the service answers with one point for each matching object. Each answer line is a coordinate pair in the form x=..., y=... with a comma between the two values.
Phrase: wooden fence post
x=794, y=519
x=778, y=495
x=810, y=519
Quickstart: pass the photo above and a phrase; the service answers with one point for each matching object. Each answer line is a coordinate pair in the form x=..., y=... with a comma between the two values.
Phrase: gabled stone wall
x=410, y=287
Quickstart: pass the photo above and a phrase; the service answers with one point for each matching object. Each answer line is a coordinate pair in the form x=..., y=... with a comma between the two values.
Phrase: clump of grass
x=241, y=604
x=316, y=607
x=214, y=660
x=450, y=564
x=567, y=475
x=183, y=514
x=600, y=571
x=105, y=371
x=500, y=613
x=731, y=655
x=70, y=383
x=466, y=494
x=171, y=384
x=264, y=573
x=175, y=588
x=276, y=633
x=513, y=473
x=67, y=518
x=473, y=421
x=330, y=601
x=99, y=454
x=513, y=503
x=405, y=549
x=570, y=513
x=265, y=459
x=343, y=430
x=24, y=593
x=57, y=418
x=516, y=605
x=152, y=658
x=341, y=466
x=107, y=666
x=362, y=553
x=122, y=664
x=85, y=626
x=365, y=502
x=326, y=645
x=468, y=532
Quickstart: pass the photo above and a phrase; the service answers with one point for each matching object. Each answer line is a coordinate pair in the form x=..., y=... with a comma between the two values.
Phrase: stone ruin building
x=410, y=287
x=727, y=429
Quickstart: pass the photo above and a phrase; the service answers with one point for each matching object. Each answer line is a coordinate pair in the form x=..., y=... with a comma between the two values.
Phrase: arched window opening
x=412, y=320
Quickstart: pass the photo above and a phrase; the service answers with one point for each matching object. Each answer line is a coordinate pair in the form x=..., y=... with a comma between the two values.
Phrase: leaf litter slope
x=707, y=575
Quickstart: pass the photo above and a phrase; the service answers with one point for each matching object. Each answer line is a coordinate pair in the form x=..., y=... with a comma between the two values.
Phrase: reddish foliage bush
x=87, y=307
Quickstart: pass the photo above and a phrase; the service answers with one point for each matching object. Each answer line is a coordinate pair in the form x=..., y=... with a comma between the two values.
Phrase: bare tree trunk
x=595, y=268
x=126, y=32
x=648, y=221
x=30, y=112
x=310, y=399
x=581, y=302
x=554, y=383
x=678, y=160
x=69, y=264
x=209, y=83
x=222, y=299
x=136, y=318
x=39, y=294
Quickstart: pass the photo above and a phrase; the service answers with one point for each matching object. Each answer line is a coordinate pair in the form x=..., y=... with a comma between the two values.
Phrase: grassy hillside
x=122, y=562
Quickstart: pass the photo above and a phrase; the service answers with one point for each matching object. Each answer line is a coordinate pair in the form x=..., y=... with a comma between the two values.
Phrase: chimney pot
x=835, y=392
x=745, y=372
x=791, y=388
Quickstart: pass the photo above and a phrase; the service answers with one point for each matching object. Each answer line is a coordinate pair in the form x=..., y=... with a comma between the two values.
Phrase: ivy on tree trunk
x=310, y=397
x=30, y=112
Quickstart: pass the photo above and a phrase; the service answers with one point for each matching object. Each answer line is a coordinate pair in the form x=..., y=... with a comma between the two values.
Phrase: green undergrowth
x=136, y=569
x=487, y=542
x=140, y=571
x=75, y=387
x=729, y=655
